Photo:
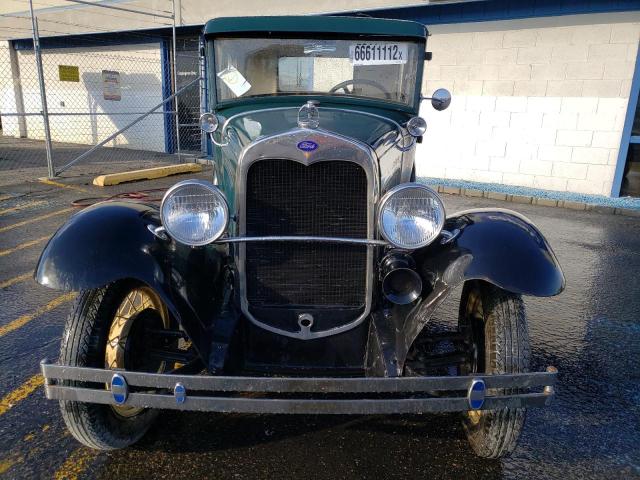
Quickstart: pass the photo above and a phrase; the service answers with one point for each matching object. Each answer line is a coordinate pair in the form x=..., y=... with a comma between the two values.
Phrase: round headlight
x=416, y=126
x=410, y=216
x=194, y=212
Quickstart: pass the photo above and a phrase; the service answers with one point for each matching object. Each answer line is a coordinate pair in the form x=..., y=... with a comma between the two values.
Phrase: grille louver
x=328, y=198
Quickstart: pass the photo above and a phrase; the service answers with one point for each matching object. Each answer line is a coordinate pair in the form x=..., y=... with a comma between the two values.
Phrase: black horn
x=401, y=284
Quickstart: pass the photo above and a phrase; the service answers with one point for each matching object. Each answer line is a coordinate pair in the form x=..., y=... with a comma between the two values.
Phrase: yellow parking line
x=22, y=207
x=24, y=319
x=24, y=245
x=75, y=464
x=36, y=219
x=14, y=280
x=46, y=181
x=7, y=463
x=20, y=393
x=17, y=455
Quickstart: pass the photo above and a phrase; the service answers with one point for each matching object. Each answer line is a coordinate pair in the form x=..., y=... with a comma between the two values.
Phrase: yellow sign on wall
x=68, y=73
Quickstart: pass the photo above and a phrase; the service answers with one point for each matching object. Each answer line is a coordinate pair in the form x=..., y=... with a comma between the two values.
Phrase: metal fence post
x=204, y=107
x=43, y=93
x=17, y=91
x=175, y=80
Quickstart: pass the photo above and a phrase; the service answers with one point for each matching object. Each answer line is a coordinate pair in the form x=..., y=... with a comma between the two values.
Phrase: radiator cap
x=308, y=115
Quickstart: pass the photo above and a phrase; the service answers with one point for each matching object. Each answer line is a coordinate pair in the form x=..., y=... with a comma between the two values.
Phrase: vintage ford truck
x=300, y=279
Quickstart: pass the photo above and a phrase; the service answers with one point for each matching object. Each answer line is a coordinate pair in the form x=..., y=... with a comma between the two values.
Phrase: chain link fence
x=110, y=103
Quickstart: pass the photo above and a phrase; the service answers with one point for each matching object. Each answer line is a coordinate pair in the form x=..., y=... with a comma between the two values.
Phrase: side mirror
x=208, y=122
x=441, y=99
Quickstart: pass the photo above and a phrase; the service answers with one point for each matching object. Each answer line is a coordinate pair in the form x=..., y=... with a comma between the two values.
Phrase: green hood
x=372, y=126
x=251, y=123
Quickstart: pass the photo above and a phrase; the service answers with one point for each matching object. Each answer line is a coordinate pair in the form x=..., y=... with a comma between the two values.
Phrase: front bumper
x=363, y=396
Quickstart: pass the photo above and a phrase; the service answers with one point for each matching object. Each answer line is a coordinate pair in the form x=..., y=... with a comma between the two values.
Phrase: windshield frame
x=302, y=97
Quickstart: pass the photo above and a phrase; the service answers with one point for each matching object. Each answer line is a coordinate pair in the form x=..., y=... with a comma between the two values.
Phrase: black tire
x=501, y=338
x=83, y=345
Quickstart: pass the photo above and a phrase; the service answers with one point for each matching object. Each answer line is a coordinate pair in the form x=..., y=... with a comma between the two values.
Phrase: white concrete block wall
x=7, y=94
x=140, y=72
x=540, y=107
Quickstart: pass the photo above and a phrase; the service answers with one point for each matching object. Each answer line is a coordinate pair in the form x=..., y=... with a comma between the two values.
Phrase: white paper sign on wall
x=111, y=85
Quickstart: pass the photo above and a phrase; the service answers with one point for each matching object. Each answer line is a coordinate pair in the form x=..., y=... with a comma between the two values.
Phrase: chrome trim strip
x=331, y=147
x=405, y=148
x=448, y=237
x=356, y=241
x=213, y=140
x=159, y=232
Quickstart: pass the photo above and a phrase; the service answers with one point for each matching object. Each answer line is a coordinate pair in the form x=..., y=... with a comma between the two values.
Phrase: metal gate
x=99, y=103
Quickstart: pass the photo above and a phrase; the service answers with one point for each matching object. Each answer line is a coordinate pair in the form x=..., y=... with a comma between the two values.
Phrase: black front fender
x=111, y=241
x=498, y=246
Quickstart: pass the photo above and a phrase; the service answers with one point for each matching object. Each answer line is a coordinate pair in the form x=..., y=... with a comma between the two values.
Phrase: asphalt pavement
x=591, y=333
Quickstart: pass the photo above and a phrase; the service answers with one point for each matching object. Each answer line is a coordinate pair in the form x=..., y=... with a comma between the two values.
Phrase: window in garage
x=627, y=178
x=631, y=180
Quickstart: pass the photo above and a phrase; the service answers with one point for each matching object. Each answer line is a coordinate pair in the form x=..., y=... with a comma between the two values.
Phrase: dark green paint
x=315, y=25
x=350, y=124
x=395, y=111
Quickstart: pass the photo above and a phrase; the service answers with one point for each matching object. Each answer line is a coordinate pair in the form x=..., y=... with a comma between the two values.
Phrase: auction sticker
x=378, y=53
x=236, y=82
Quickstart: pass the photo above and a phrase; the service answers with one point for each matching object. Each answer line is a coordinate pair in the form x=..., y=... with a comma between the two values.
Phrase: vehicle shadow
x=290, y=446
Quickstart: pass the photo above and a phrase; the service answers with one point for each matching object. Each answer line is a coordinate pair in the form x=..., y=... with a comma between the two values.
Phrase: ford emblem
x=307, y=146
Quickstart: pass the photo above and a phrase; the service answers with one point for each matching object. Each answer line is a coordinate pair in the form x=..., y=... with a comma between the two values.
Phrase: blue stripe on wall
x=106, y=38
x=169, y=127
x=209, y=145
x=493, y=10
x=87, y=41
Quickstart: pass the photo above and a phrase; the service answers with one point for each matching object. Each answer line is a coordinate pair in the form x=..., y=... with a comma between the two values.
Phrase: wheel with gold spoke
x=126, y=349
x=118, y=327
x=494, y=324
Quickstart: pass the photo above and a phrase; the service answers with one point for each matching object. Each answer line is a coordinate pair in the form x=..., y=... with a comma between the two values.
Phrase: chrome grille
x=285, y=197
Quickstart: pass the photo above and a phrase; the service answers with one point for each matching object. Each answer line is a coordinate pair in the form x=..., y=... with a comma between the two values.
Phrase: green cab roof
x=308, y=24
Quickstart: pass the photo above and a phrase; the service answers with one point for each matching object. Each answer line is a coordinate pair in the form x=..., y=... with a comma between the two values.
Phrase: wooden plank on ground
x=146, y=174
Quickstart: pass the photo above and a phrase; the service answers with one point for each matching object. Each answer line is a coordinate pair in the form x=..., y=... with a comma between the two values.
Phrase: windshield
x=251, y=67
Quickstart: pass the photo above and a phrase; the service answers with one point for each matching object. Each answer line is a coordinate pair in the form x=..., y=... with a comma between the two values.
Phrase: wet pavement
x=591, y=333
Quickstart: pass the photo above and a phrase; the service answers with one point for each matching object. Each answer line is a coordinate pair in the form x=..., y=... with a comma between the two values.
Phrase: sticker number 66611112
x=378, y=53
